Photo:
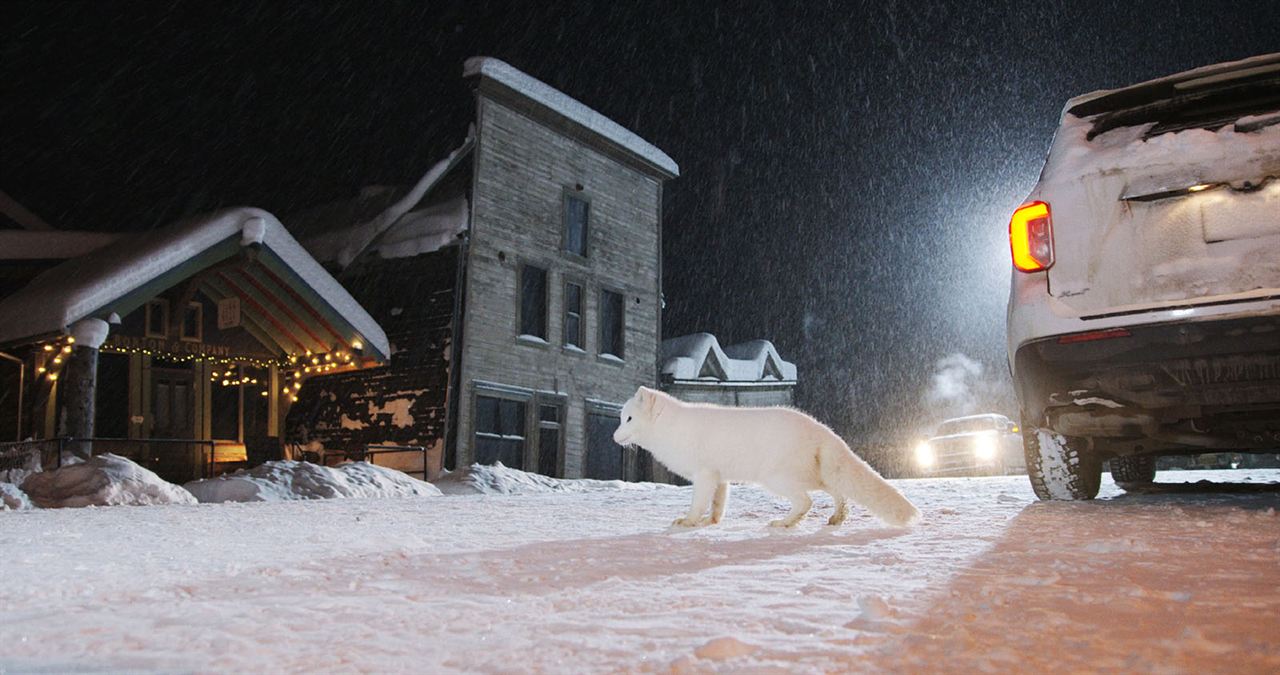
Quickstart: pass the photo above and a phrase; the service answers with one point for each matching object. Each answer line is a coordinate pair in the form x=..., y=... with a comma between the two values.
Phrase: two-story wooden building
x=519, y=282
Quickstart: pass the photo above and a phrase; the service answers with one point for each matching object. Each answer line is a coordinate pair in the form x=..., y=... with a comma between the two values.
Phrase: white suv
x=1144, y=310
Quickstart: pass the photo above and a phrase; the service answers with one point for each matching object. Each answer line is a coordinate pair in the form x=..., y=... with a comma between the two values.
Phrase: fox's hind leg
x=720, y=501
x=842, y=508
x=704, y=486
x=800, y=505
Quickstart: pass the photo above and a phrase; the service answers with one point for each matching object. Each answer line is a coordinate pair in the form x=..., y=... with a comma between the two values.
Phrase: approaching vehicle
x=1144, y=309
x=978, y=445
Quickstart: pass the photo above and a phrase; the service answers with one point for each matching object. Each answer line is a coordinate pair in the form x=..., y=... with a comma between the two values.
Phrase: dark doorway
x=111, y=406
x=604, y=457
x=549, y=437
x=171, y=403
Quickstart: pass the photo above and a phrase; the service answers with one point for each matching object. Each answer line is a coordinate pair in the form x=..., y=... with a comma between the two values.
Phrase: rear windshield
x=1205, y=101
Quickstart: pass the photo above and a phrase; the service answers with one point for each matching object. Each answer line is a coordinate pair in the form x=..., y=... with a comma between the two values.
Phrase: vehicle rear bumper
x=1207, y=381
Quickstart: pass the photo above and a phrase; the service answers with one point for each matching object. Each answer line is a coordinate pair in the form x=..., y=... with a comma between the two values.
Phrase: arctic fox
x=782, y=449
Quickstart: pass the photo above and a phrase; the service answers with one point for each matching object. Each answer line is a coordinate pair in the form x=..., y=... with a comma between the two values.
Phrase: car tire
x=1059, y=467
x=1133, y=472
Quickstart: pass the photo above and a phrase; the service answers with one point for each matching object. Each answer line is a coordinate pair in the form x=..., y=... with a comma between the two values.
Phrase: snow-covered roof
x=122, y=276
x=557, y=101
x=699, y=357
x=51, y=244
x=1251, y=65
x=386, y=220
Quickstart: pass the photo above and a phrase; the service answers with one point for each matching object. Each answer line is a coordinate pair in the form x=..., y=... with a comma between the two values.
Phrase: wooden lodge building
x=502, y=308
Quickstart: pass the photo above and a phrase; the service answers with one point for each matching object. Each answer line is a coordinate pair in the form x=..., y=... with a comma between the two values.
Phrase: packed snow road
x=594, y=580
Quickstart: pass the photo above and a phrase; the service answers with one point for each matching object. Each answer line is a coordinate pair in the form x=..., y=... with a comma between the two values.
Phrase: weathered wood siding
x=404, y=402
x=523, y=169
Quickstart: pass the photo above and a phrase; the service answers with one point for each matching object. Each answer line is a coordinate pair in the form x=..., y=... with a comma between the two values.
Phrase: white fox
x=782, y=449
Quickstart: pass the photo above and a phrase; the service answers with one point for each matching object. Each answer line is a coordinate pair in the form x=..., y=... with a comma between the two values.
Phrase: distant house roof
x=699, y=357
x=287, y=297
x=388, y=219
x=557, y=101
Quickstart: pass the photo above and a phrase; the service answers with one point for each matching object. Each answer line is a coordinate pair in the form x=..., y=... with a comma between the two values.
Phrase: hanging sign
x=228, y=313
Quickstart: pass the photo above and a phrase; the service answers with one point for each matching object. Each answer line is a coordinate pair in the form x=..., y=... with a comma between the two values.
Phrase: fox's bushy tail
x=847, y=474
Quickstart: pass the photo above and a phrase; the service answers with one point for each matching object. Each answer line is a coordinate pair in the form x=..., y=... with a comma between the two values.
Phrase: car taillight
x=1031, y=237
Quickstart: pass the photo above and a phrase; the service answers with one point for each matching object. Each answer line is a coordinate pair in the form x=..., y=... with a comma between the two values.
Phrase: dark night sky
x=848, y=168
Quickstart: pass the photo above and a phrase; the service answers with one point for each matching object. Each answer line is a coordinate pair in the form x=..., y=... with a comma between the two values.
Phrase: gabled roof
x=558, y=102
x=699, y=357
x=287, y=297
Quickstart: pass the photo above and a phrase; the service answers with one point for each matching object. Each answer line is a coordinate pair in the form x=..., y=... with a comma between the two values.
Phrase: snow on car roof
x=558, y=101
x=1240, y=68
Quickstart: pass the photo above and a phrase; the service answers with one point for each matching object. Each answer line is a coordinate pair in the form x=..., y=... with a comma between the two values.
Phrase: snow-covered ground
x=595, y=580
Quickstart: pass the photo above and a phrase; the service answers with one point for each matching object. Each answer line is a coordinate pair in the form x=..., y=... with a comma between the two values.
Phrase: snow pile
x=420, y=231
x=12, y=498
x=289, y=480
x=496, y=479
x=103, y=480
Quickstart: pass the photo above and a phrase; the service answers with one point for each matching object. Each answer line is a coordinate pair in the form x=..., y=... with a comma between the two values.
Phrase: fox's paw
x=836, y=519
x=781, y=522
x=686, y=522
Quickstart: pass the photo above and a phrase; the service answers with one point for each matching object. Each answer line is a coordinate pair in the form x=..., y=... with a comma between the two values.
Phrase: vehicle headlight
x=924, y=455
x=984, y=448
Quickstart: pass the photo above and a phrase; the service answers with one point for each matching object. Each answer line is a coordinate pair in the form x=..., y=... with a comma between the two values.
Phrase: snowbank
x=497, y=479
x=12, y=498
x=289, y=480
x=104, y=480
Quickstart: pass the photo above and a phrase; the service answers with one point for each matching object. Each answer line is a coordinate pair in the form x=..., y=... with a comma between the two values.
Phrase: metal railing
x=370, y=453
x=176, y=460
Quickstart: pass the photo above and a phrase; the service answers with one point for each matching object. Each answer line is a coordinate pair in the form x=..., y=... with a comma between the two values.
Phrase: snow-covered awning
x=287, y=299
x=699, y=358
x=557, y=101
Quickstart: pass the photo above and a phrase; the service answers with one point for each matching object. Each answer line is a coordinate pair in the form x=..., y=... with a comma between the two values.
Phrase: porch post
x=80, y=382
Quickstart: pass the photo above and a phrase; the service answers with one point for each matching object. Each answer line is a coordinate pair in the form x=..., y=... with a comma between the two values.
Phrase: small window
x=193, y=322
x=158, y=318
x=533, y=302
x=577, y=212
x=611, y=324
x=573, y=315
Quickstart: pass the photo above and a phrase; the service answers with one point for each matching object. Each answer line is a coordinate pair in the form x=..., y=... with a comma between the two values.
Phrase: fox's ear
x=650, y=401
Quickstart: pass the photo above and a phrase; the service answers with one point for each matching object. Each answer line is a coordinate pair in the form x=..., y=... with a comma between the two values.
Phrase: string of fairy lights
x=230, y=370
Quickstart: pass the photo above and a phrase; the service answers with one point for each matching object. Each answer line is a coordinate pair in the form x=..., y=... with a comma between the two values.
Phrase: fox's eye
x=628, y=418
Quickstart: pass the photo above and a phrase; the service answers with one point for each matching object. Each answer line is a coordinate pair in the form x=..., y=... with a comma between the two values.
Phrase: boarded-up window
x=577, y=212
x=612, y=322
x=500, y=431
x=604, y=457
x=533, y=301
x=573, y=315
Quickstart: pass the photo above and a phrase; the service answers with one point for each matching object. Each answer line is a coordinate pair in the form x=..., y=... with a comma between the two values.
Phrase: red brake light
x=1031, y=237
x=1092, y=335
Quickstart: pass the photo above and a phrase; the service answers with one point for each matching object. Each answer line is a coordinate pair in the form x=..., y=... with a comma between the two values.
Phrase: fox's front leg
x=719, y=503
x=704, y=487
